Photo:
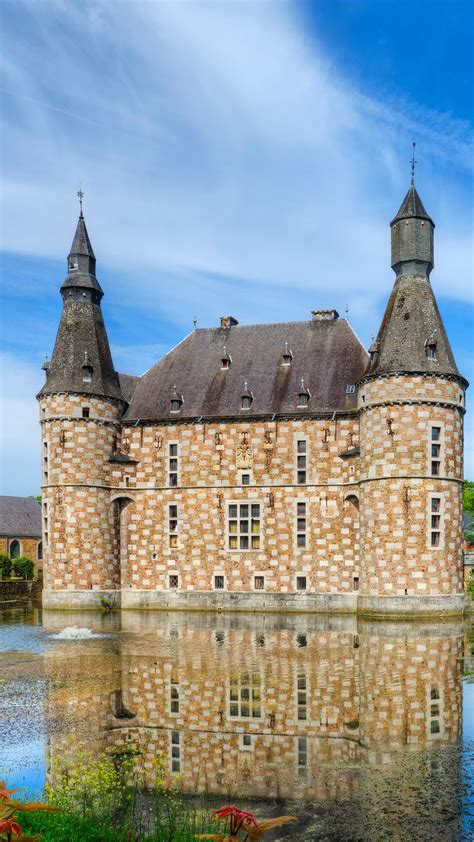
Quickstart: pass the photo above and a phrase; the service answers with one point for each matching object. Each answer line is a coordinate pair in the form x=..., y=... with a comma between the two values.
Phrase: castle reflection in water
x=312, y=708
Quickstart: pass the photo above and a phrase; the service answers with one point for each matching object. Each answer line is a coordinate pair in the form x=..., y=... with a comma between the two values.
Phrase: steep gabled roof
x=81, y=243
x=20, y=517
x=327, y=354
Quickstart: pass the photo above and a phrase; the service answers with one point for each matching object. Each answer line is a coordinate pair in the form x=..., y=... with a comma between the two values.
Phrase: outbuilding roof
x=325, y=353
x=20, y=517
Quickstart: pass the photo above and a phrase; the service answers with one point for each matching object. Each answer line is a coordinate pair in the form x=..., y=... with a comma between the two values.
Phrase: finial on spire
x=81, y=194
x=413, y=162
x=195, y=321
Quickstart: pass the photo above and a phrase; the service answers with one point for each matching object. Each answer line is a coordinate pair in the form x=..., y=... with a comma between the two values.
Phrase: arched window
x=353, y=502
x=15, y=549
x=39, y=551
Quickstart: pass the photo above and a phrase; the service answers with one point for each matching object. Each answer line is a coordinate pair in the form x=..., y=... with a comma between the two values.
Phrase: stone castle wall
x=396, y=486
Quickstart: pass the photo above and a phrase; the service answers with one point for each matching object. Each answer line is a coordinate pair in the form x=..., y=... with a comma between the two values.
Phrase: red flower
x=237, y=817
x=9, y=827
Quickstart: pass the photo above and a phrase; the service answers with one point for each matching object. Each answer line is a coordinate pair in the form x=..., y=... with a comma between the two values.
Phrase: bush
x=5, y=566
x=23, y=567
x=469, y=537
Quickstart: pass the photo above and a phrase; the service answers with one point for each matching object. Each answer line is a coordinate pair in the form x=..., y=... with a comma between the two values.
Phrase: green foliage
x=470, y=584
x=105, y=604
x=469, y=537
x=23, y=567
x=5, y=566
x=468, y=496
x=67, y=827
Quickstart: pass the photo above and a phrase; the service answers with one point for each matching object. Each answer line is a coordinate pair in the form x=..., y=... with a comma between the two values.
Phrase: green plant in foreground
x=23, y=567
x=5, y=566
x=9, y=809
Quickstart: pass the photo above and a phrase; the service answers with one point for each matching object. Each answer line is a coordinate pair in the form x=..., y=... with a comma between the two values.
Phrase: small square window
x=219, y=582
x=245, y=479
x=356, y=583
x=435, y=504
x=435, y=539
x=301, y=583
x=301, y=446
x=259, y=583
x=434, y=726
x=435, y=469
x=174, y=580
x=246, y=741
x=435, y=433
x=85, y=412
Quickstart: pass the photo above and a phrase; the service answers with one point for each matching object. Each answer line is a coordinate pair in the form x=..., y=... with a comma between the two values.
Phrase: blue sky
x=237, y=157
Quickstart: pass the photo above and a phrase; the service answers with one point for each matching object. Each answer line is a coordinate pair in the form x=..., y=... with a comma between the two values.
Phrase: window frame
x=435, y=495
x=297, y=439
x=171, y=587
x=239, y=519
x=215, y=575
x=169, y=471
x=297, y=532
x=305, y=577
x=433, y=442
x=173, y=533
x=250, y=686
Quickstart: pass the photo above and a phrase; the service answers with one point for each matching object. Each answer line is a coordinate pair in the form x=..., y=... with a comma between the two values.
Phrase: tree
x=468, y=496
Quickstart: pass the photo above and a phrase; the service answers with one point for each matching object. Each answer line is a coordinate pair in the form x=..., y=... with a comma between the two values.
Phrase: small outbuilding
x=20, y=528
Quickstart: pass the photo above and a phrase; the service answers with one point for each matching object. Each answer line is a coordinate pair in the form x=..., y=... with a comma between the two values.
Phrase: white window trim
x=440, y=495
x=240, y=473
x=239, y=717
x=440, y=718
x=439, y=424
x=242, y=745
x=172, y=573
x=306, y=691
x=218, y=573
x=175, y=684
x=259, y=573
x=180, y=758
x=296, y=438
x=10, y=542
x=302, y=573
x=168, y=531
x=238, y=502
x=168, y=471
x=298, y=549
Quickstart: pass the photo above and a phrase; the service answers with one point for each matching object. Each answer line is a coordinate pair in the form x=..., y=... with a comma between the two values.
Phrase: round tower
x=411, y=403
x=80, y=406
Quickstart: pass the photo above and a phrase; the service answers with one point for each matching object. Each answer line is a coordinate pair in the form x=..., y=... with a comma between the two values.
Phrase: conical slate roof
x=412, y=206
x=411, y=322
x=81, y=243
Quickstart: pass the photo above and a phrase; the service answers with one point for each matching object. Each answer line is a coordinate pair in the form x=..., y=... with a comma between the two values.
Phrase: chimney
x=324, y=315
x=228, y=321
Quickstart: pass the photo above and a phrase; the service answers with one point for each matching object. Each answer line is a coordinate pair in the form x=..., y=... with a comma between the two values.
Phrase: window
x=301, y=525
x=301, y=461
x=173, y=525
x=259, y=583
x=245, y=699
x=175, y=751
x=302, y=755
x=39, y=551
x=174, y=696
x=355, y=583
x=246, y=742
x=245, y=479
x=85, y=412
x=430, y=349
x=244, y=526
x=73, y=264
x=435, y=712
x=301, y=583
x=303, y=399
x=287, y=356
x=226, y=359
x=219, y=582
x=174, y=580
x=350, y=390
x=173, y=465
x=15, y=549
x=435, y=521
x=435, y=451
x=301, y=696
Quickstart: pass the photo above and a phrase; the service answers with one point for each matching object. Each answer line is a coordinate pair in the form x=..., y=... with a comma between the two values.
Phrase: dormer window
x=350, y=389
x=303, y=396
x=73, y=264
x=87, y=369
x=287, y=356
x=226, y=359
x=176, y=401
x=247, y=398
x=430, y=350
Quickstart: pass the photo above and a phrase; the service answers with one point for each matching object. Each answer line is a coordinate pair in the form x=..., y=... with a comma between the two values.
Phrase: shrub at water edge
x=5, y=566
x=23, y=567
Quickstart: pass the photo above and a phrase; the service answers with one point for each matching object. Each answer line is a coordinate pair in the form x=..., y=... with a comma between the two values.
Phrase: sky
x=239, y=158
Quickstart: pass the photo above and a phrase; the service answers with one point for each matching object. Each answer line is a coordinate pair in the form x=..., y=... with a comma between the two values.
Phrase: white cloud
x=19, y=427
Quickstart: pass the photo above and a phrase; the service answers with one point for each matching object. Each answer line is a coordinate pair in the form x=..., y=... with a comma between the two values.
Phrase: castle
x=258, y=467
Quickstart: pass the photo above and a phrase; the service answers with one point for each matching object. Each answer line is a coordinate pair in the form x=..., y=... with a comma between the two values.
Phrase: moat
x=364, y=730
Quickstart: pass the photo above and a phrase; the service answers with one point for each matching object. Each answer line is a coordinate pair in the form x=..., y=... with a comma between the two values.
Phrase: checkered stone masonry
x=396, y=486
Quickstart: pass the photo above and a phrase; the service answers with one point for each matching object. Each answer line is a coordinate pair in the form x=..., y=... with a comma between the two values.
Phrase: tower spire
x=81, y=195
x=413, y=162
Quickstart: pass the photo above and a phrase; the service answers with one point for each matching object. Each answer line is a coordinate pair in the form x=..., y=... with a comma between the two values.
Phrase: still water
x=364, y=730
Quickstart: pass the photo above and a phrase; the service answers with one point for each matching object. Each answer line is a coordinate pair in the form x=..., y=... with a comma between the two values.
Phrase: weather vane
x=80, y=193
x=413, y=162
